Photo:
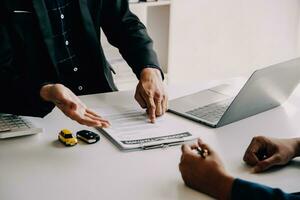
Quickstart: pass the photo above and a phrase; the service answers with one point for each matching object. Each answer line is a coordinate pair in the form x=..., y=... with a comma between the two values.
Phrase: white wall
x=213, y=39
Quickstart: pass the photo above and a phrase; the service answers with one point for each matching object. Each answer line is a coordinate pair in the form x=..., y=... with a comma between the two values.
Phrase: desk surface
x=40, y=167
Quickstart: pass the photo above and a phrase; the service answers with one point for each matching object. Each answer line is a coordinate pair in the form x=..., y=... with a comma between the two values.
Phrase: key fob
x=88, y=136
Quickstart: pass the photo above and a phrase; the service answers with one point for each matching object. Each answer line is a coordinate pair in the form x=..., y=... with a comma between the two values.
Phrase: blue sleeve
x=247, y=190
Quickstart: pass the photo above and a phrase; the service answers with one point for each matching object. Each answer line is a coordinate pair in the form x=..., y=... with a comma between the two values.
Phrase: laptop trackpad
x=196, y=100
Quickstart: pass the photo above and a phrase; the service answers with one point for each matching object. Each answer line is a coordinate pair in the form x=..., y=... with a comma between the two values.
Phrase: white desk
x=39, y=167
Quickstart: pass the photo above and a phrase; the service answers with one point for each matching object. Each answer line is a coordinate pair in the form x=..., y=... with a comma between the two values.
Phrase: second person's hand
x=71, y=105
x=264, y=152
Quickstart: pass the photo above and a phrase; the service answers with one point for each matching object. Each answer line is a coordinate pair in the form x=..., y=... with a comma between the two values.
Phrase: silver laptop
x=267, y=88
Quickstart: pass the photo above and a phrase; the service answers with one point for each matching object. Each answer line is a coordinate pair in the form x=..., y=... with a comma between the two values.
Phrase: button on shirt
x=59, y=12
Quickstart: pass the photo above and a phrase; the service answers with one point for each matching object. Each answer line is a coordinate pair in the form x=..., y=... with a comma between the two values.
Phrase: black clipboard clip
x=162, y=145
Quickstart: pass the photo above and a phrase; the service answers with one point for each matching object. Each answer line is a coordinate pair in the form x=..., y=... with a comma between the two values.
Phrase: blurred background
x=199, y=40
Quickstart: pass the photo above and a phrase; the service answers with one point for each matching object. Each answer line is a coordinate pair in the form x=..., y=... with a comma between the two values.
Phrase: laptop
x=266, y=88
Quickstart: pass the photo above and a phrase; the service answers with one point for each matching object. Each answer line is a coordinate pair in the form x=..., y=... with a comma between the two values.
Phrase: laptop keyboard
x=212, y=112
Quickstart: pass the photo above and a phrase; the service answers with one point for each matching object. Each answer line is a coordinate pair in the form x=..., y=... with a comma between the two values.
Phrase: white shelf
x=153, y=3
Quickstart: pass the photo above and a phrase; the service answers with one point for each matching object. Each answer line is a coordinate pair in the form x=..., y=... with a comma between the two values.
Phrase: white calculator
x=13, y=126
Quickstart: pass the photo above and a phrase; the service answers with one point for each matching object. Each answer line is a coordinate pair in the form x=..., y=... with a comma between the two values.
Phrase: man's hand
x=206, y=175
x=150, y=93
x=71, y=105
x=263, y=152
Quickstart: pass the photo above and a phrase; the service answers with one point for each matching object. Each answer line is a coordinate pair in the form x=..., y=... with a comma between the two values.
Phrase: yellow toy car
x=67, y=138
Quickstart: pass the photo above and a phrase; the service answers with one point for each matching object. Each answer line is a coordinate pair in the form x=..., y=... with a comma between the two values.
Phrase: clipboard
x=131, y=130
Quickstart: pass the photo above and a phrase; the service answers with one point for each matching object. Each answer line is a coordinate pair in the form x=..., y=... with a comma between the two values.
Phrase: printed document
x=130, y=129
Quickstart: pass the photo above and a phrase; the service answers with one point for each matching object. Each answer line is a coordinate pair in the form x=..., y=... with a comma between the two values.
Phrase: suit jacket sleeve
x=19, y=94
x=247, y=190
x=125, y=31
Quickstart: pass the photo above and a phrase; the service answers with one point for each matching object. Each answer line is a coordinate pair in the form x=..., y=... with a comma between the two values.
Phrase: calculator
x=13, y=126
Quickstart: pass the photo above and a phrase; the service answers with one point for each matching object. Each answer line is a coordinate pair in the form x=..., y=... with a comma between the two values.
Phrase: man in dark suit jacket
x=50, y=52
x=208, y=175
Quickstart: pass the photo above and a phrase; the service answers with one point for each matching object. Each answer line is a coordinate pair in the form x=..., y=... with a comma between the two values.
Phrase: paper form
x=130, y=127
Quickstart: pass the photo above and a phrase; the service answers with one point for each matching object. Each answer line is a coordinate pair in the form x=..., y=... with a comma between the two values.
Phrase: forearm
x=20, y=95
x=20, y=89
x=26, y=102
x=126, y=32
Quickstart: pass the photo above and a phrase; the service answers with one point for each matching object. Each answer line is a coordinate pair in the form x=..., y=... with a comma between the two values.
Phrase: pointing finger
x=150, y=108
x=158, y=104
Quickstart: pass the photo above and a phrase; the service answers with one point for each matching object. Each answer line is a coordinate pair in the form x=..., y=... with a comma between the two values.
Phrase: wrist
x=146, y=73
x=45, y=92
x=297, y=147
x=224, y=187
